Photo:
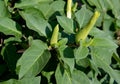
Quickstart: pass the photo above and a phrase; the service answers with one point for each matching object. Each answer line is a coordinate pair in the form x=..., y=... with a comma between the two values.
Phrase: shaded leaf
x=10, y=58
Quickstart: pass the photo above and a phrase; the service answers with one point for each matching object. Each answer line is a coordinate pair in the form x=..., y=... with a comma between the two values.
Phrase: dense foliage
x=59, y=42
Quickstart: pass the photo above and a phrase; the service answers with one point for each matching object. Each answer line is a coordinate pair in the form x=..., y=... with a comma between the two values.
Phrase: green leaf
x=81, y=52
x=115, y=8
x=101, y=63
x=47, y=75
x=97, y=33
x=66, y=24
x=29, y=3
x=103, y=6
x=78, y=77
x=46, y=9
x=8, y=27
x=59, y=74
x=3, y=11
x=93, y=77
x=58, y=6
x=35, y=22
x=67, y=56
x=102, y=49
x=83, y=16
x=31, y=80
x=103, y=43
x=83, y=62
x=62, y=76
x=33, y=59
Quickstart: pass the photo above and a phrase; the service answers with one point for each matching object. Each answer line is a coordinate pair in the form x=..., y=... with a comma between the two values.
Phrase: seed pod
x=54, y=37
x=82, y=34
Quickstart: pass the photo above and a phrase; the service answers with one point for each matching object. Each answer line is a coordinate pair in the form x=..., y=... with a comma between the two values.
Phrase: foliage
x=33, y=50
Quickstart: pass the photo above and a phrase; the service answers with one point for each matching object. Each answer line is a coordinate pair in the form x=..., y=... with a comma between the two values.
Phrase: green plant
x=38, y=42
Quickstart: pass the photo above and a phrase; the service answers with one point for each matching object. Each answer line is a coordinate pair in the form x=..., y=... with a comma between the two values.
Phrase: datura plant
x=59, y=42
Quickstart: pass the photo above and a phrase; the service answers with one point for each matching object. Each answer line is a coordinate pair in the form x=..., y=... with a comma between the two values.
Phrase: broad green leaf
x=107, y=23
x=62, y=76
x=59, y=74
x=106, y=5
x=103, y=5
x=83, y=16
x=58, y=6
x=29, y=3
x=66, y=78
x=101, y=52
x=104, y=42
x=97, y=33
x=33, y=59
x=94, y=67
x=3, y=10
x=66, y=24
x=81, y=52
x=101, y=63
x=79, y=77
x=8, y=27
x=46, y=9
x=102, y=49
x=49, y=9
x=94, y=2
x=31, y=80
x=35, y=22
x=116, y=8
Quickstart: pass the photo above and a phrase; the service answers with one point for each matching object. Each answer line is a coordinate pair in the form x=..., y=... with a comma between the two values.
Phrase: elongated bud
x=74, y=8
x=69, y=6
x=82, y=34
x=54, y=37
